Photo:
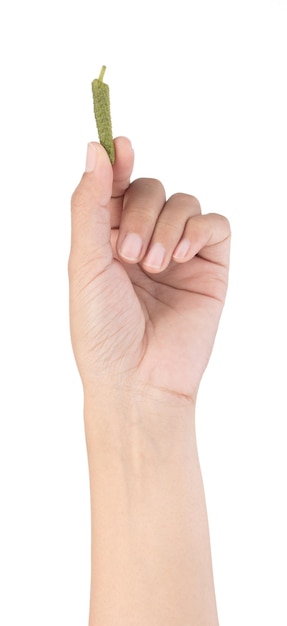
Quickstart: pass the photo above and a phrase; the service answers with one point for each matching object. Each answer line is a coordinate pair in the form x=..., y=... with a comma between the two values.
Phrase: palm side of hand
x=153, y=329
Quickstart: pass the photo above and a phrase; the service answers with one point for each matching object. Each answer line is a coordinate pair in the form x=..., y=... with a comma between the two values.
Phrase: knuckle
x=166, y=224
x=184, y=199
x=141, y=213
x=79, y=198
x=226, y=225
x=150, y=182
x=224, y=222
x=149, y=186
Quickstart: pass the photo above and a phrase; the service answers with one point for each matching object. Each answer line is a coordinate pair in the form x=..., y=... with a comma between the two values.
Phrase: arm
x=142, y=333
x=151, y=562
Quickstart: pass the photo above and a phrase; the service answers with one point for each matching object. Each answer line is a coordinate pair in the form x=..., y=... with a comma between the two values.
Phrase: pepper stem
x=101, y=76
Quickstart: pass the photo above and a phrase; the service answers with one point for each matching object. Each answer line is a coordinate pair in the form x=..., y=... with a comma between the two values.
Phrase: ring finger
x=169, y=230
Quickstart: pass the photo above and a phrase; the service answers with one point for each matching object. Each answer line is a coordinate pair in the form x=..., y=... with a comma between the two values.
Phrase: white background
x=200, y=88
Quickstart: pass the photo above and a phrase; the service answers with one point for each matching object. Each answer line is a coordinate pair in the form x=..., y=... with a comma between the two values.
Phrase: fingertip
x=96, y=182
x=124, y=156
x=96, y=154
x=123, y=165
x=181, y=251
x=91, y=158
x=122, y=143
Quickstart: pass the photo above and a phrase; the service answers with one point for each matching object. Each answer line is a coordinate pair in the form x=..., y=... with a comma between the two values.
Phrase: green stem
x=101, y=76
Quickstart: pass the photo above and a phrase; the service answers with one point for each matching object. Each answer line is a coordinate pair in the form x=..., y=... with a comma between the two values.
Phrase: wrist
x=145, y=424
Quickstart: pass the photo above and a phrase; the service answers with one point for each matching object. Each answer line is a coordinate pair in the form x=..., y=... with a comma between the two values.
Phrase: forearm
x=151, y=563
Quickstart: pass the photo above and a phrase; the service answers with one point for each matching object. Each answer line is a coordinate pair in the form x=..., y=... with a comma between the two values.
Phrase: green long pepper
x=102, y=111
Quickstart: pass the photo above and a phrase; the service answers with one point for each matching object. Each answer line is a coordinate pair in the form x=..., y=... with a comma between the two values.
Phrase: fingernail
x=91, y=158
x=155, y=256
x=131, y=247
x=182, y=249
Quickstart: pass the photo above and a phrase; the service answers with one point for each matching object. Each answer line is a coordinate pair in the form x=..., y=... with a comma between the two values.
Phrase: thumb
x=90, y=237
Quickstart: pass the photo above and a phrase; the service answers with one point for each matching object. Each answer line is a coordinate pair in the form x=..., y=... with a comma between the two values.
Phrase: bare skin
x=144, y=313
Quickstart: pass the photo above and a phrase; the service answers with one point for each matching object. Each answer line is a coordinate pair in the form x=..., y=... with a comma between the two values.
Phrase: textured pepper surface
x=101, y=96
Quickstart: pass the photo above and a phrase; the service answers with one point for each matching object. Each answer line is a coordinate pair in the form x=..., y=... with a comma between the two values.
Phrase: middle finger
x=143, y=203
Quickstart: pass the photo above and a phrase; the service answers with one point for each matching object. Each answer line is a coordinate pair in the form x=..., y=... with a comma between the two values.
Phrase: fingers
x=94, y=210
x=151, y=228
x=142, y=205
x=147, y=229
x=169, y=229
x=122, y=170
x=202, y=236
x=154, y=232
x=90, y=237
x=123, y=166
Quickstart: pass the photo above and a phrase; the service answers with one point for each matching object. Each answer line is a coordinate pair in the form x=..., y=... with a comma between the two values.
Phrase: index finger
x=123, y=166
x=122, y=170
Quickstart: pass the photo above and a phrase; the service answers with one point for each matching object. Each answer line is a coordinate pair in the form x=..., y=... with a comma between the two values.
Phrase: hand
x=145, y=308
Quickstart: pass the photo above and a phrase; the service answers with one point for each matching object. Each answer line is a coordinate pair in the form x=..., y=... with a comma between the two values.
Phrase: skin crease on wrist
x=148, y=278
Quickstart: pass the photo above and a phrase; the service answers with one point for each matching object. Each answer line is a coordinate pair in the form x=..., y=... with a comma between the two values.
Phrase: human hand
x=140, y=323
